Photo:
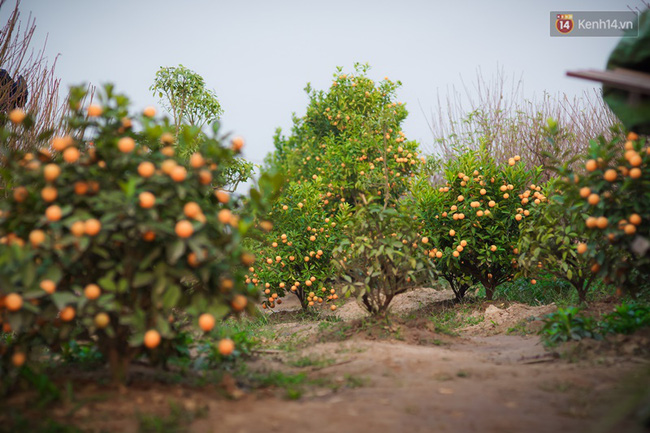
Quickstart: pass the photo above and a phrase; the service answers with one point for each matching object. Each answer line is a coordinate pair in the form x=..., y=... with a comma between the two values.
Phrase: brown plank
x=632, y=81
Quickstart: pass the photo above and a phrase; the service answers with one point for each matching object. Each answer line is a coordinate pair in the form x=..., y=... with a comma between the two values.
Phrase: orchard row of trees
x=121, y=230
x=364, y=213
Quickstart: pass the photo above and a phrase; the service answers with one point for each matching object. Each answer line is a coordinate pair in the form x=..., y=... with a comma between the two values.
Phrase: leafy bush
x=351, y=137
x=106, y=234
x=381, y=257
x=472, y=222
x=612, y=192
x=297, y=252
x=75, y=351
x=546, y=289
x=626, y=318
x=556, y=241
x=568, y=324
x=347, y=147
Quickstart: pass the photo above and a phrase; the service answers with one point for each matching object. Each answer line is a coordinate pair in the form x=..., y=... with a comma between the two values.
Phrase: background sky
x=258, y=55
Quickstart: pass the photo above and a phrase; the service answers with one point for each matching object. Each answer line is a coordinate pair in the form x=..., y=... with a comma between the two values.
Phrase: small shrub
x=381, y=258
x=626, y=318
x=568, y=324
x=296, y=254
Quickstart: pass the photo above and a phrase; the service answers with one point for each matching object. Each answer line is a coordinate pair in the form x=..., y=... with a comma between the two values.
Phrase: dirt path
x=482, y=384
x=403, y=377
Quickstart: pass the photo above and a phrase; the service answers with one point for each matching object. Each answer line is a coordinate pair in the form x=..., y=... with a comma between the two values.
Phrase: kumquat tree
x=351, y=136
x=104, y=237
x=381, y=257
x=471, y=222
x=298, y=258
x=611, y=191
x=566, y=237
x=348, y=145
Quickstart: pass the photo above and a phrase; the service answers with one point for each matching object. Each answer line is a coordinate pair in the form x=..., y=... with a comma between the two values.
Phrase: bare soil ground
x=488, y=375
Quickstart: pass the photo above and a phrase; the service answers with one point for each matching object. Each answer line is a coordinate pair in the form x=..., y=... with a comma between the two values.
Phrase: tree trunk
x=489, y=292
x=582, y=291
x=119, y=366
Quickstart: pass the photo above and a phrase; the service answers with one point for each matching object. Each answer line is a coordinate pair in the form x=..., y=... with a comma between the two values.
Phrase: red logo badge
x=564, y=23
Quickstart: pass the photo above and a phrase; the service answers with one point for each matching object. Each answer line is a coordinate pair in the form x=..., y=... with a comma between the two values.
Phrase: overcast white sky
x=258, y=55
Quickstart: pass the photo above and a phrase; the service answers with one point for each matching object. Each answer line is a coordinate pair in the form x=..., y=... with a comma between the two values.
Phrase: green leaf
x=171, y=296
x=62, y=299
x=107, y=283
x=143, y=279
x=175, y=251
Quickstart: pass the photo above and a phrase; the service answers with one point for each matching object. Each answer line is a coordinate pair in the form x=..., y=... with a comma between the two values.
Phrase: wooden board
x=626, y=79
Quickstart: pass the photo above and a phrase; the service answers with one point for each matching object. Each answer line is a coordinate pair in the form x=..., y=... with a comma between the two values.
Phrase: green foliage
x=472, y=222
x=351, y=137
x=348, y=146
x=547, y=289
x=78, y=352
x=567, y=324
x=183, y=93
x=380, y=257
x=245, y=340
x=292, y=383
x=616, y=179
x=145, y=266
x=296, y=254
x=627, y=318
x=449, y=320
x=555, y=241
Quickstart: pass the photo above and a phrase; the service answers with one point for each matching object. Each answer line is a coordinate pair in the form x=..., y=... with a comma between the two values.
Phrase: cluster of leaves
x=626, y=318
x=567, y=324
x=105, y=233
x=381, y=257
x=472, y=222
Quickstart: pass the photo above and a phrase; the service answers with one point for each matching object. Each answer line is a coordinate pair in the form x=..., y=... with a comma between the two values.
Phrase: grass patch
x=547, y=290
x=448, y=321
x=306, y=361
x=355, y=381
x=177, y=421
x=293, y=384
x=520, y=328
x=17, y=422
